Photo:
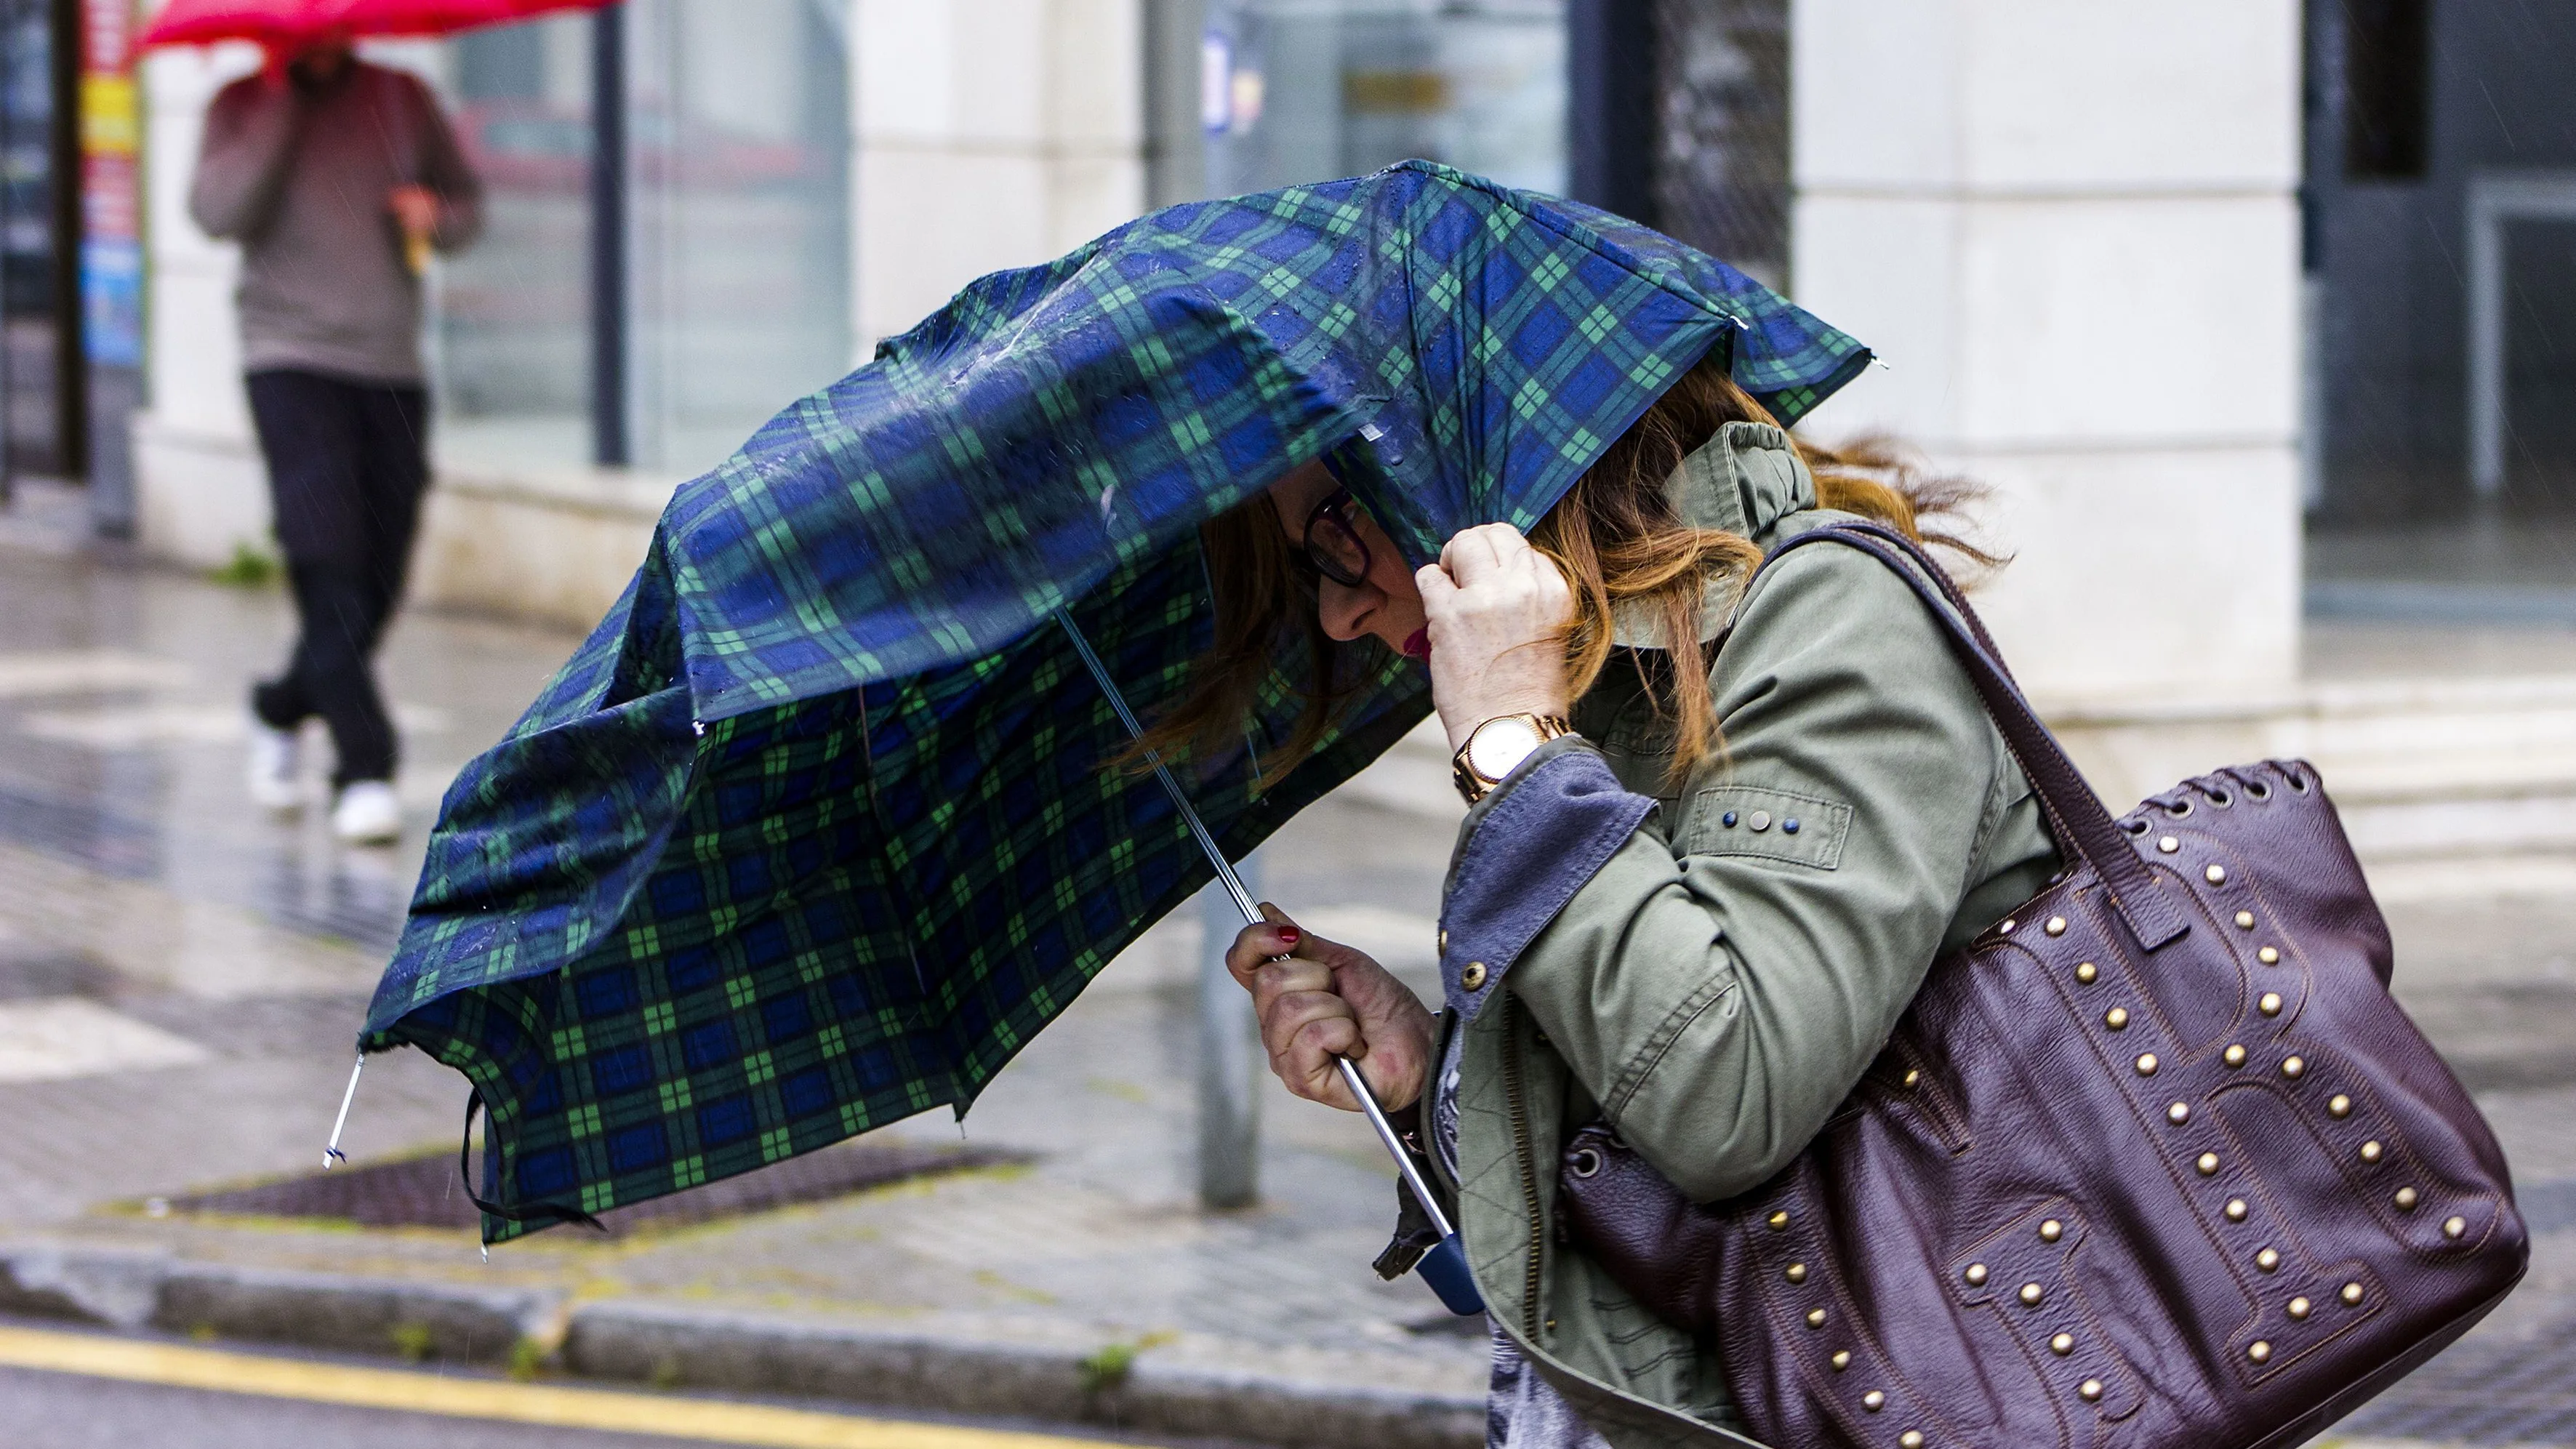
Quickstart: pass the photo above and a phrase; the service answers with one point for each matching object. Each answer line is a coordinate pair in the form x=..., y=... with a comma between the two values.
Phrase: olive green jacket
x=1722, y=980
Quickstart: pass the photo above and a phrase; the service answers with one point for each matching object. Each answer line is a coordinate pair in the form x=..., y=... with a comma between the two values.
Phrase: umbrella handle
x=1445, y=1266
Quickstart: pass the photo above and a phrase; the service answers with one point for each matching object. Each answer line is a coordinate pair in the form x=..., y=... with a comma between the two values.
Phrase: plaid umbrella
x=812, y=834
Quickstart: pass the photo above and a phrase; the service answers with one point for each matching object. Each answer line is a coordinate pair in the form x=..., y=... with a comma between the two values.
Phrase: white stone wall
x=991, y=134
x=2070, y=228
x=199, y=489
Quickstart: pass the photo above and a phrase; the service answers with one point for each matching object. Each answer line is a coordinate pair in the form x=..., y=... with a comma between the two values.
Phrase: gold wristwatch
x=1496, y=748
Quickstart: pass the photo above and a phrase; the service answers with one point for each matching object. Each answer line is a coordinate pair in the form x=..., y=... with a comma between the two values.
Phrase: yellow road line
x=140, y=1361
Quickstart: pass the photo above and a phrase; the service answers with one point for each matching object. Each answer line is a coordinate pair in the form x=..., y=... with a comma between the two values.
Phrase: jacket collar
x=1744, y=480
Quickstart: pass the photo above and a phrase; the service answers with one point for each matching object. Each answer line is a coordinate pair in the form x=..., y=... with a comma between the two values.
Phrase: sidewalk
x=181, y=978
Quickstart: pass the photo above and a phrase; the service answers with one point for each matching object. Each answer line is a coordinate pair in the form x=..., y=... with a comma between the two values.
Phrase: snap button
x=1761, y=820
x=1789, y=826
x=1473, y=978
x=1727, y=820
x=1444, y=940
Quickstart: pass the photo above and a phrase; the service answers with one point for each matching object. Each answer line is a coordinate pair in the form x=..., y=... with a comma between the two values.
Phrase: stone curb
x=671, y=1345
x=135, y=1290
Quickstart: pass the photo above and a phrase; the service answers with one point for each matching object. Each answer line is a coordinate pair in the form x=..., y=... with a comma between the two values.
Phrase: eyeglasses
x=1333, y=547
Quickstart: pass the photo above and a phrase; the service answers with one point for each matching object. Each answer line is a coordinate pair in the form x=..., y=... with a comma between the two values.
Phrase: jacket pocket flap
x=1778, y=825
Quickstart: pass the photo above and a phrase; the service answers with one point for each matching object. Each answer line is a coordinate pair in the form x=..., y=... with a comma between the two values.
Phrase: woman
x=1697, y=886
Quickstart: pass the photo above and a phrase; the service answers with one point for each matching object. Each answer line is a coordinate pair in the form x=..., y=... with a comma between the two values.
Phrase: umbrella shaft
x=1251, y=909
x=1386, y=1133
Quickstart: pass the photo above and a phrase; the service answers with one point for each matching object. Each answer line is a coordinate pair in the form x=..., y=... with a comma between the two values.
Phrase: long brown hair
x=1615, y=535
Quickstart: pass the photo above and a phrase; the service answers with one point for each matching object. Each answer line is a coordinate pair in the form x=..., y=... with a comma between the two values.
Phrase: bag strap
x=2081, y=823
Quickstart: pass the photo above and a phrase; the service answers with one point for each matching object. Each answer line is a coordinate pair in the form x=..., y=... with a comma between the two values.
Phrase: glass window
x=737, y=232
x=511, y=342
x=738, y=139
x=1307, y=90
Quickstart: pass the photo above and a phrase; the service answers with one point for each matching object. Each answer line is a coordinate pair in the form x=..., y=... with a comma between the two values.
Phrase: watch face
x=1500, y=744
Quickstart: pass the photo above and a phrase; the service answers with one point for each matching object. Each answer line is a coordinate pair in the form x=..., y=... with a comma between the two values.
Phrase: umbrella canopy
x=287, y=25
x=812, y=834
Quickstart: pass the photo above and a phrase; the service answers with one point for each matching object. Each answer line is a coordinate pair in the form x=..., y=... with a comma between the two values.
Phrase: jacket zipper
x=1513, y=1093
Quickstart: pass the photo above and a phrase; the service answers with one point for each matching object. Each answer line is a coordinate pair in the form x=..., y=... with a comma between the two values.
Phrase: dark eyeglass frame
x=1318, y=558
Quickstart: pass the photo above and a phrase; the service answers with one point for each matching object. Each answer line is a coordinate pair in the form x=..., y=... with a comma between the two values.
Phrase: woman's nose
x=1343, y=609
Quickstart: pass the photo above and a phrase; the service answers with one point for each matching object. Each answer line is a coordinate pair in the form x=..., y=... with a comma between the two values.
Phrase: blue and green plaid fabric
x=812, y=834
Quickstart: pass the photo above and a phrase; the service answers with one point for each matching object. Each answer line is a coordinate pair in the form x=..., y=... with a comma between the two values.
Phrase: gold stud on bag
x=2123, y=1186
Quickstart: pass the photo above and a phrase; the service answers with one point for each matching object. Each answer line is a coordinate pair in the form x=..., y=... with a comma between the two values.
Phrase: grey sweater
x=299, y=176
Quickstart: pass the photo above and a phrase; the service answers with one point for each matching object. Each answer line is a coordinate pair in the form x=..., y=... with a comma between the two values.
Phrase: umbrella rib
x=331, y=1152
x=1225, y=871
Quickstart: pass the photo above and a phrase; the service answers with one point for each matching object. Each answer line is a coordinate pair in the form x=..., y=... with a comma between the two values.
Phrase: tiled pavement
x=180, y=978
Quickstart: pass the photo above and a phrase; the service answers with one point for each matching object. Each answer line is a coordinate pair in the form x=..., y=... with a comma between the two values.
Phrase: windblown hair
x=1622, y=548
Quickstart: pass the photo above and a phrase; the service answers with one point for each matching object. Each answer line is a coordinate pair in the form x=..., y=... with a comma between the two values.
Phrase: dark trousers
x=347, y=463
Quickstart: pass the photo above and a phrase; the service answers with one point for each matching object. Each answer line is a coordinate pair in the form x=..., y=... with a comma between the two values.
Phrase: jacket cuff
x=1526, y=848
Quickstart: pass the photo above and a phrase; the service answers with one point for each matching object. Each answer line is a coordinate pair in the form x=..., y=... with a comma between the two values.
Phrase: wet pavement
x=181, y=978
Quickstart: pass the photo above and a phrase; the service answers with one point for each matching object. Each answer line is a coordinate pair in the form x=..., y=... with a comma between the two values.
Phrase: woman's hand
x=1327, y=1000
x=1498, y=609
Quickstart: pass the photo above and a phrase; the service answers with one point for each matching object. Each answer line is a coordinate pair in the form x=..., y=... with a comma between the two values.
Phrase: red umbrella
x=289, y=25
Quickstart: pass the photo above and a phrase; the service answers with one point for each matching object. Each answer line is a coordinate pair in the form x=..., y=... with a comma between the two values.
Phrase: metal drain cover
x=424, y=1191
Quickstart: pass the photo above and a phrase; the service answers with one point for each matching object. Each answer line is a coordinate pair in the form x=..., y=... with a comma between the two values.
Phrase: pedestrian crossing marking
x=713, y=1421
x=86, y=671
x=67, y=1036
x=139, y=726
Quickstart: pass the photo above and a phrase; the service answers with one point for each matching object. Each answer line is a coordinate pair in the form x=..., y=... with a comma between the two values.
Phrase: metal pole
x=63, y=190
x=2486, y=340
x=1229, y=1065
x=609, y=445
x=1610, y=106
x=1176, y=146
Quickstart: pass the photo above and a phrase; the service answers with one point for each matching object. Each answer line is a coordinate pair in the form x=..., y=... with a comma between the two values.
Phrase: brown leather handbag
x=2157, y=1161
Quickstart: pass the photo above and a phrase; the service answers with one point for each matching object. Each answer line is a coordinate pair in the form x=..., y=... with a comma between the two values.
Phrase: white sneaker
x=275, y=783
x=368, y=813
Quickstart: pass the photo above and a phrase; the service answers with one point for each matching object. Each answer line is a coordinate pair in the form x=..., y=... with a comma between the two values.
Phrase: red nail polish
x=1290, y=935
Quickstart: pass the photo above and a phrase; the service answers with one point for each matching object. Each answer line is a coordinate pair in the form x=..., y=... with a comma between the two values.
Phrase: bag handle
x=2082, y=824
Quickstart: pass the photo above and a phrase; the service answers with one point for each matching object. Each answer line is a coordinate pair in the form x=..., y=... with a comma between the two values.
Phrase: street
x=119, y=1394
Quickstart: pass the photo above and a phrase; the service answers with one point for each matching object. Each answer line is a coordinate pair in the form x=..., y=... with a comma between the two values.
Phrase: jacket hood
x=1742, y=481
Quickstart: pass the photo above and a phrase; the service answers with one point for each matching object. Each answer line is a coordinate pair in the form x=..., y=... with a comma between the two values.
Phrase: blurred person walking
x=337, y=177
